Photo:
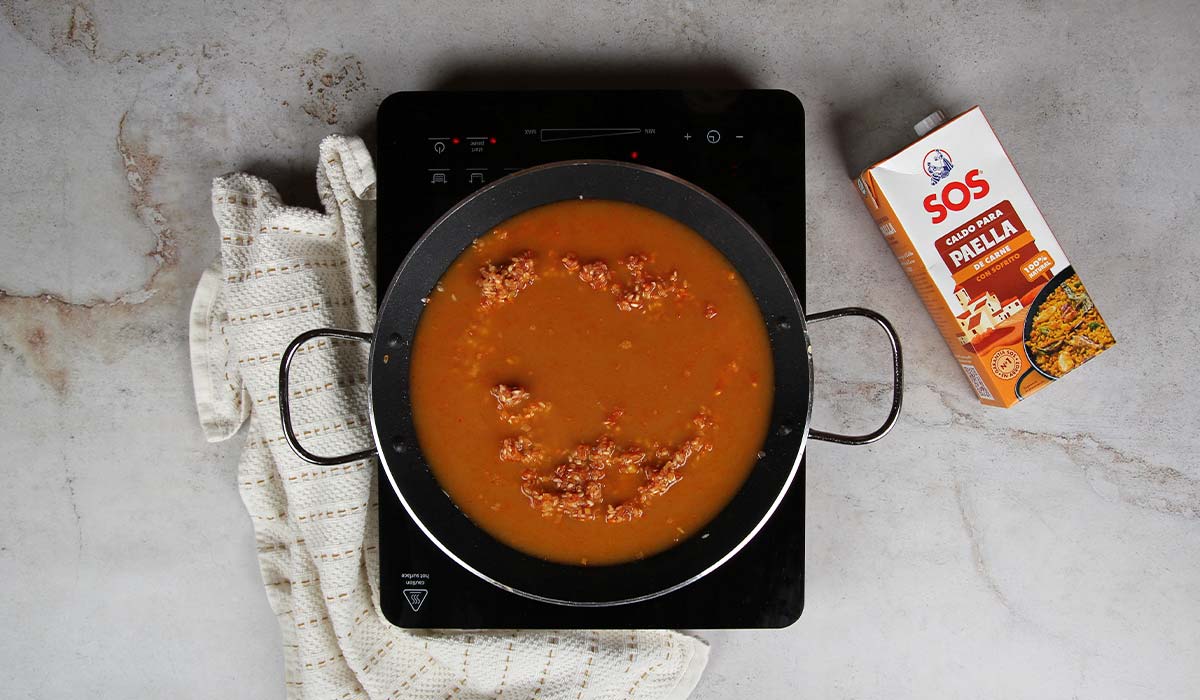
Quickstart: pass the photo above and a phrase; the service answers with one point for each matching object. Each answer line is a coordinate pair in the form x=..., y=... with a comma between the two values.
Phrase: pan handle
x=897, y=378
x=285, y=408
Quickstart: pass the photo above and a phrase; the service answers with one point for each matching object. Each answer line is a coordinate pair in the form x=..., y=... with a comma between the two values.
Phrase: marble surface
x=1051, y=550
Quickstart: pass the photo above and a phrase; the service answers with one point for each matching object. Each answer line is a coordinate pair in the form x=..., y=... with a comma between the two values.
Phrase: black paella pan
x=392, y=418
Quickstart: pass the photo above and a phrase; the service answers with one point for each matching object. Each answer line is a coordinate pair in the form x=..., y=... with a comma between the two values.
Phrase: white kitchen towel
x=284, y=270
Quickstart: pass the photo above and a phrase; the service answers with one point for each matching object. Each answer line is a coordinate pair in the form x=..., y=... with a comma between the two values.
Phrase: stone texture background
x=1045, y=551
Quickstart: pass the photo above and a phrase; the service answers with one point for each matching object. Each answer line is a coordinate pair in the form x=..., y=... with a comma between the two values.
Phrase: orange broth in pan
x=591, y=382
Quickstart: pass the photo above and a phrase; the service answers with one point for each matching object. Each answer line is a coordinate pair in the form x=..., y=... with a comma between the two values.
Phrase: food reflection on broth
x=591, y=382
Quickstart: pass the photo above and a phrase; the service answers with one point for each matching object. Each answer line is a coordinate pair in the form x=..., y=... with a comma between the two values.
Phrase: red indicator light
x=454, y=140
x=492, y=140
x=633, y=155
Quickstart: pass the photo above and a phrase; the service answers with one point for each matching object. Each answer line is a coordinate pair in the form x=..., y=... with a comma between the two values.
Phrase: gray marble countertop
x=1047, y=551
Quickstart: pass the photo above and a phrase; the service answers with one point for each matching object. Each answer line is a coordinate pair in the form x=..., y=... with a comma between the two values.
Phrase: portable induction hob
x=746, y=147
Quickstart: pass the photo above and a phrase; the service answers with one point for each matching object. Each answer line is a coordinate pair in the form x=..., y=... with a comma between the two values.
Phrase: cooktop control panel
x=746, y=147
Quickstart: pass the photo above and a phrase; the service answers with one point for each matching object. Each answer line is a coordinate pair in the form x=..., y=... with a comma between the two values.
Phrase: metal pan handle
x=285, y=408
x=897, y=378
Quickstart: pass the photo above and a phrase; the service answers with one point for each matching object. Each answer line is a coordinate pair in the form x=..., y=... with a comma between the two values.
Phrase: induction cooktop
x=746, y=147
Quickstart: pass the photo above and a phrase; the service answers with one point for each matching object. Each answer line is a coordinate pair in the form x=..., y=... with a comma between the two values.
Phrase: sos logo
x=956, y=196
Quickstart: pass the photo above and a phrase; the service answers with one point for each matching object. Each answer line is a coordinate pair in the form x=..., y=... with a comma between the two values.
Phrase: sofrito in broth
x=591, y=382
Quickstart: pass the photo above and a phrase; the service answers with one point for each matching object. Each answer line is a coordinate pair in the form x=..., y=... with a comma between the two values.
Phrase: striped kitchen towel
x=284, y=270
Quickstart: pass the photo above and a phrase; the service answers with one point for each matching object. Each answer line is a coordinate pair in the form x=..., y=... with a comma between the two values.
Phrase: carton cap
x=929, y=123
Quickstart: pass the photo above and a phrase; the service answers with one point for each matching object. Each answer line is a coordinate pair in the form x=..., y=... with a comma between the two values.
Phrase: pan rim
x=766, y=515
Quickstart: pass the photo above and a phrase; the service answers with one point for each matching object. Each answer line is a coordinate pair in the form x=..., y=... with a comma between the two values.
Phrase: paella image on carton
x=976, y=247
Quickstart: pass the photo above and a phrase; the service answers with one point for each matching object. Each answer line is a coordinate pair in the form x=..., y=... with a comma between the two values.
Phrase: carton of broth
x=1000, y=289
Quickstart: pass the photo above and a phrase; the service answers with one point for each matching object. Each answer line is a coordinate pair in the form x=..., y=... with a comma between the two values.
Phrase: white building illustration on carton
x=983, y=313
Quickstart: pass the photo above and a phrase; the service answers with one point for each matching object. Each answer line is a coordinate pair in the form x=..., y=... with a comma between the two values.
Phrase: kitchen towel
x=284, y=270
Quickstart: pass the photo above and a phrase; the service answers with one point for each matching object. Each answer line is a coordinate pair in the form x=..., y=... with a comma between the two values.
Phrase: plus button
x=688, y=137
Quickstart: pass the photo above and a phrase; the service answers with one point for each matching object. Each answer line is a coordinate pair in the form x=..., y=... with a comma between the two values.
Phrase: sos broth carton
x=1000, y=289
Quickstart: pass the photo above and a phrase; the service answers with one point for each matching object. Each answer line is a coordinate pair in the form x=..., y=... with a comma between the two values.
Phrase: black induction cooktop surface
x=746, y=147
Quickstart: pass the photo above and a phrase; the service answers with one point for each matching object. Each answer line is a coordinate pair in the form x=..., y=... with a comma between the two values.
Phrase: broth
x=591, y=382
